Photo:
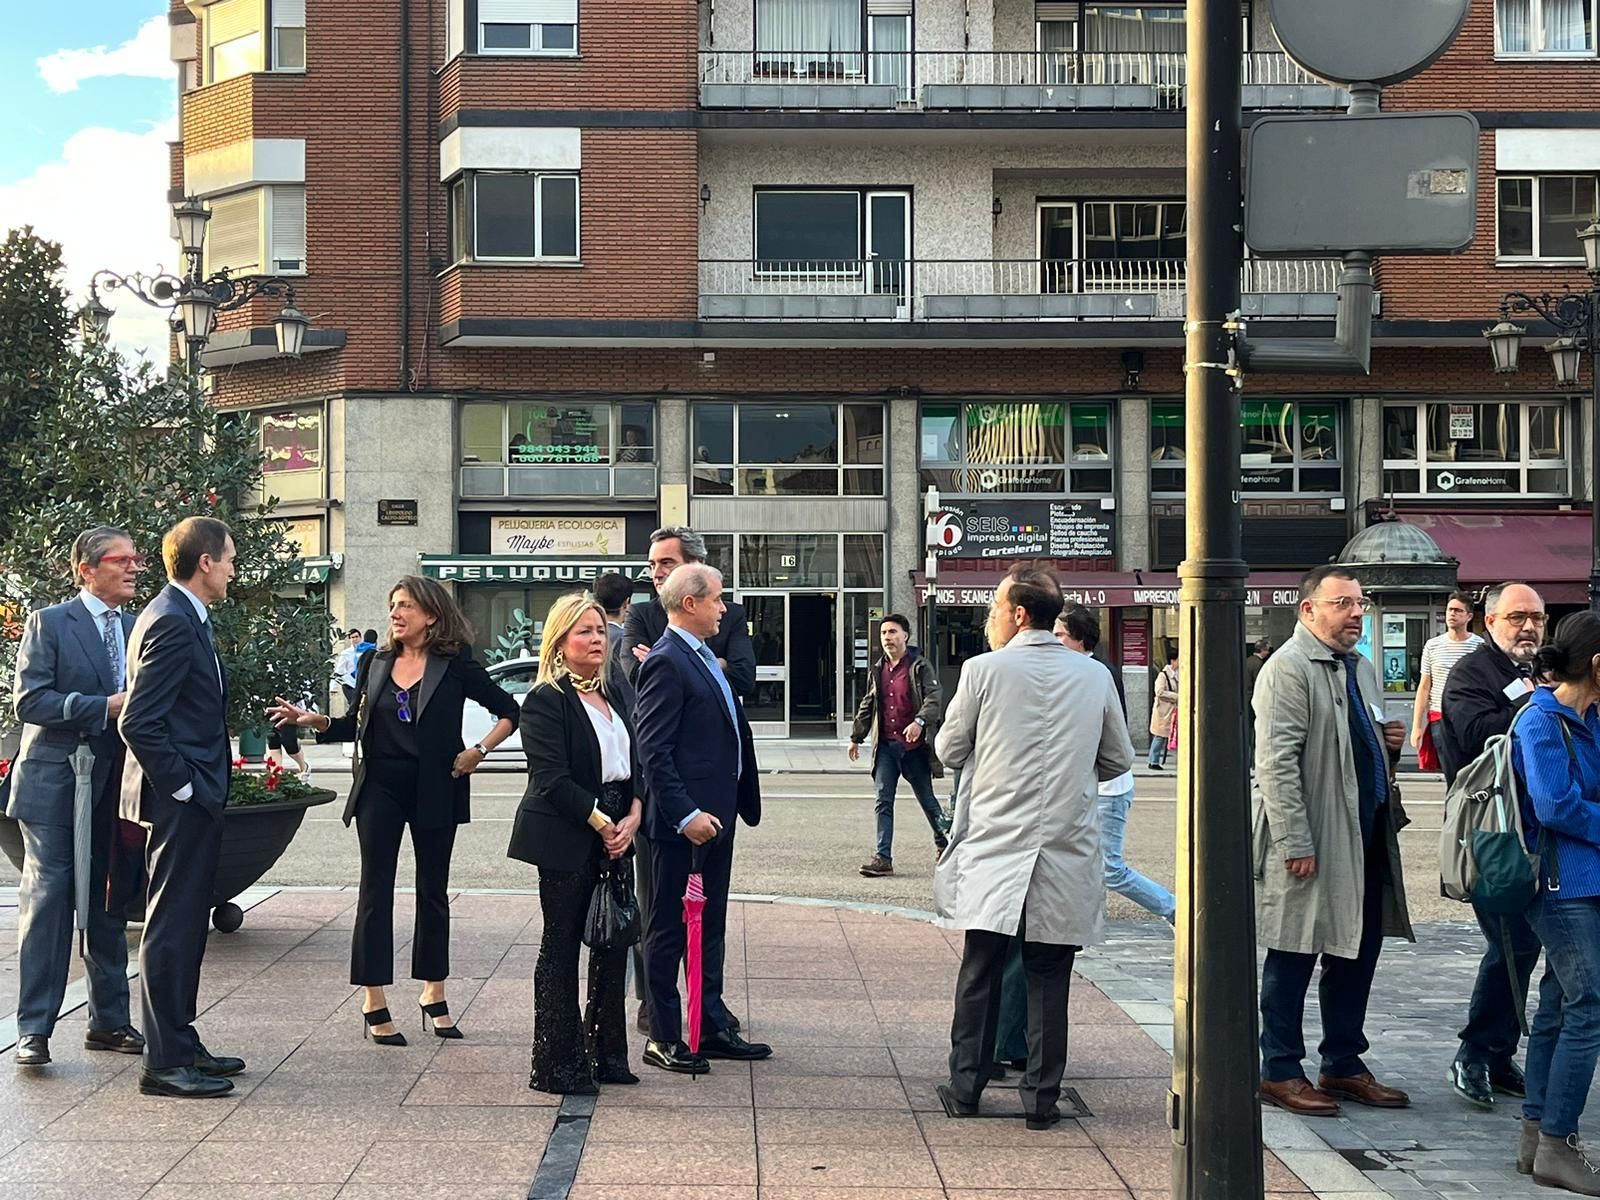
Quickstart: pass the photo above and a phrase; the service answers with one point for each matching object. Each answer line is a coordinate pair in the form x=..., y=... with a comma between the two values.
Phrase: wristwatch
x=920, y=722
x=478, y=746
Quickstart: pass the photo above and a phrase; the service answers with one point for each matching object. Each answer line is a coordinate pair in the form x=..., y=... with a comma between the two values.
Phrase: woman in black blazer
x=580, y=812
x=410, y=769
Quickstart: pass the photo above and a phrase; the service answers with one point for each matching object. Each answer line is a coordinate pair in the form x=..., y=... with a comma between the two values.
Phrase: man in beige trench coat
x=1036, y=727
x=1326, y=847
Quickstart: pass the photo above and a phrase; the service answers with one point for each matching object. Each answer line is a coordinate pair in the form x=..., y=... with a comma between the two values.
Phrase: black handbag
x=613, y=920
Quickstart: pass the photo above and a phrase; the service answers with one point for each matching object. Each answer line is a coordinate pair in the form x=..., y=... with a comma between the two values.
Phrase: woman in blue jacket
x=1557, y=757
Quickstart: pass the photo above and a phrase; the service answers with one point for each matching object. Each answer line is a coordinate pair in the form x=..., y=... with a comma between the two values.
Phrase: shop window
x=291, y=454
x=1476, y=448
x=541, y=447
x=1539, y=216
x=863, y=560
x=1287, y=447
x=997, y=448
x=788, y=560
x=766, y=449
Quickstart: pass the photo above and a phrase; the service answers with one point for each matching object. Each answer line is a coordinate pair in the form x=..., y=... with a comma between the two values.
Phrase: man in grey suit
x=69, y=690
x=175, y=784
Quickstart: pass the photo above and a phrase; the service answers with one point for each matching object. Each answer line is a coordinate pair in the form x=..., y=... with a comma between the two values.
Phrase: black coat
x=648, y=621
x=552, y=826
x=447, y=684
x=1475, y=706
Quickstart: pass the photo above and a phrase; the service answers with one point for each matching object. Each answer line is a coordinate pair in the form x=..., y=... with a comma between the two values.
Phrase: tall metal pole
x=1594, y=447
x=1215, y=1113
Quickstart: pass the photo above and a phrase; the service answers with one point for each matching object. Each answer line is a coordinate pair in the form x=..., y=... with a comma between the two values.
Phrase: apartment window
x=1539, y=216
x=799, y=449
x=548, y=433
x=827, y=231
x=291, y=452
x=1287, y=447
x=813, y=38
x=528, y=27
x=1536, y=27
x=246, y=36
x=513, y=216
x=261, y=231
x=1476, y=448
x=990, y=448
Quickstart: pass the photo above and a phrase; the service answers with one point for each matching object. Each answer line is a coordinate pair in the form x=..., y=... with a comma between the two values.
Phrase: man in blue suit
x=69, y=691
x=175, y=784
x=700, y=774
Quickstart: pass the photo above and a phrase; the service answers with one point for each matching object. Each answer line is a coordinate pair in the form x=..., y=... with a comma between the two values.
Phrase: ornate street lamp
x=1505, y=344
x=194, y=298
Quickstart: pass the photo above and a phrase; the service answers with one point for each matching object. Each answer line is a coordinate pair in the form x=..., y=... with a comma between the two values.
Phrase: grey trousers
x=641, y=885
x=1047, y=969
x=46, y=940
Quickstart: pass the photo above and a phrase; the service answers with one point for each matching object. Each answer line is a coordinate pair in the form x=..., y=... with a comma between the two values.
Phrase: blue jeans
x=1120, y=877
x=1158, y=751
x=895, y=760
x=1564, y=1040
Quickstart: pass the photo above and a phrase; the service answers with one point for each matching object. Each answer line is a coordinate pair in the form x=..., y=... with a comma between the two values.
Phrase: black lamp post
x=194, y=299
x=1576, y=318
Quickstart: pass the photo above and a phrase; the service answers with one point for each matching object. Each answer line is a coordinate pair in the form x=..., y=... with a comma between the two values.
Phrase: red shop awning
x=1549, y=550
x=1111, y=589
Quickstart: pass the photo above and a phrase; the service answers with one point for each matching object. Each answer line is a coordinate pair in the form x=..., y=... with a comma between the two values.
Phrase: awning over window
x=1549, y=550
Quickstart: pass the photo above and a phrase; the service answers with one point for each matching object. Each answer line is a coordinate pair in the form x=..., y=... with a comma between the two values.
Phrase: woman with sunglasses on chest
x=410, y=770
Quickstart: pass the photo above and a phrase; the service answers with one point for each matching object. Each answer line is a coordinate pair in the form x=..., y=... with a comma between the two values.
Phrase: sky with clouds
x=90, y=98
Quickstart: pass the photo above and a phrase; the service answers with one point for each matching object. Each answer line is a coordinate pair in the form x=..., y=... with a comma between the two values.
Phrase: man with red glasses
x=71, y=676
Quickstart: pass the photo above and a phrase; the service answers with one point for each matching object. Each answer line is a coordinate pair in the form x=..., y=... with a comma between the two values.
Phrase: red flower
x=272, y=783
x=239, y=763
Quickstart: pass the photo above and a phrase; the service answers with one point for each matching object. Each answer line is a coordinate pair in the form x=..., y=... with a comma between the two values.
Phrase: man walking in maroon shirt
x=903, y=701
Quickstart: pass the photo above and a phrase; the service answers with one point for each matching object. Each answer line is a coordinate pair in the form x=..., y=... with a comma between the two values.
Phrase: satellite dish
x=1367, y=41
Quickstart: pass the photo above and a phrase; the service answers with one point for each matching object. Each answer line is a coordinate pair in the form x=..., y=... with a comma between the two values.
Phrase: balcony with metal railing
x=1005, y=80
x=878, y=289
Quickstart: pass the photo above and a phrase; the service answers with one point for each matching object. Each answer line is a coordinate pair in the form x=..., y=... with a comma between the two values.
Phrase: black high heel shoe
x=380, y=1016
x=438, y=1009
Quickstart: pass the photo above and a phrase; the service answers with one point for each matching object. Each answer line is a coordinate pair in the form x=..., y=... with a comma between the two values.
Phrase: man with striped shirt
x=1439, y=655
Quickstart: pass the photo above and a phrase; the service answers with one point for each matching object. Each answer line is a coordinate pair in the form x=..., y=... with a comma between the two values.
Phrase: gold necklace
x=587, y=686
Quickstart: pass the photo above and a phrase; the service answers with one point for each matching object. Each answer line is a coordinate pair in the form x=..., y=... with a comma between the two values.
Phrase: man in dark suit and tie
x=69, y=690
x=175, y=784
x=670, y=548
x=699, y=767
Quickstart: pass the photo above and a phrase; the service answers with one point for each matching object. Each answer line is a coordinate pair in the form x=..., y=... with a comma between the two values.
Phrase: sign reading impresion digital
x=1023, y=529
x=526, y=570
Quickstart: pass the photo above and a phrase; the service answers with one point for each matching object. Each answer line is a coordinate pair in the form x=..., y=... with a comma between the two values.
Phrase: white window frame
x=1538, y=37
x=269, y=200
x=535, y=47
x=1537, y=257
x=539, y=256
x=266, y=256
x=1421, y=464
x=272, y=21
x=265, y=32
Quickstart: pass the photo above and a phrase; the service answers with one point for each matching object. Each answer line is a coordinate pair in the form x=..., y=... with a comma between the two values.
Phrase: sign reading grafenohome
x=1022, y=529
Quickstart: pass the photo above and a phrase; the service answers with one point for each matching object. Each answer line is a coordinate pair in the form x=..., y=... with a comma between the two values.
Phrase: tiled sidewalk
x=857, y=1005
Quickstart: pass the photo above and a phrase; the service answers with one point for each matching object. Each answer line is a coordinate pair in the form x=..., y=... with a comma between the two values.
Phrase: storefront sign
x=1462, y=422
x=397, y=512
x=1136, y=642
x=527, y=570
x=302, y=536
x=557, y=535
x=1460, y=481
x=1022, y=529
x=1122, y=597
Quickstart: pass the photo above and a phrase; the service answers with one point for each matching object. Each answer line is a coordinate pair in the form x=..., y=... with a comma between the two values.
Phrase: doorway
x=813, y=666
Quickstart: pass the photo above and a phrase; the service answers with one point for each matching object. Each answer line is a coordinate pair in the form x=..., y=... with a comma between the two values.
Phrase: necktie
x=113, y=651
x=1361, y=725
x=727, y=695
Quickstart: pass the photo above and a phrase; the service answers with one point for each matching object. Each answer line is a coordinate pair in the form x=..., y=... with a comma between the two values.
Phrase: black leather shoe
x=186, y=1083
x=675, y=1057
x=33, y=1050
x=210, y=1064
x=729, y=1044
x=952, y=1106
x=1471, y=1082
x=126, y=1040
x=1044, y=1120
x=1508, y=1081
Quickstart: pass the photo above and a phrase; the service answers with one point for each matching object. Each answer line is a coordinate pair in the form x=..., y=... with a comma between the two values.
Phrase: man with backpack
x=1484, y=691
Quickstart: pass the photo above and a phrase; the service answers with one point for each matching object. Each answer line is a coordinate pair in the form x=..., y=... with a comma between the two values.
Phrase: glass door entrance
x=797, y=663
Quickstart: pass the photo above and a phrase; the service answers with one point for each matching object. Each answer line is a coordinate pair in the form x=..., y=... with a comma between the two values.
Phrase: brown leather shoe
x=1298, y=1096
x=1364, y=1089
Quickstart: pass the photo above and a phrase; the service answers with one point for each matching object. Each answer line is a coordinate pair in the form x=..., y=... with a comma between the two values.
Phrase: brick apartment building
x=581, y=267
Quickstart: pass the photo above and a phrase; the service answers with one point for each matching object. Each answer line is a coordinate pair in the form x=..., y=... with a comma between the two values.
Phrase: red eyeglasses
x=136, y=562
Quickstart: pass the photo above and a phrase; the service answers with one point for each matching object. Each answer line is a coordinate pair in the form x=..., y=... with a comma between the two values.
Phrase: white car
x=516, y=676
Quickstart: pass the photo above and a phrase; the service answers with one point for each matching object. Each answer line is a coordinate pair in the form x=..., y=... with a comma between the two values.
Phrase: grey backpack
x=1483, y=855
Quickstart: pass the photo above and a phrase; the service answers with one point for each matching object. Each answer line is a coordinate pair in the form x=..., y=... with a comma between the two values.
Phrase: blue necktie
x=1361, y=724
x=727, y=694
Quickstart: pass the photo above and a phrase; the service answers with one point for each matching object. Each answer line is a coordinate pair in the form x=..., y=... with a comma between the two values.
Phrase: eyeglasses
x=1346, y=603
x=135, y=562
x=402, y=698
x=1536, y=619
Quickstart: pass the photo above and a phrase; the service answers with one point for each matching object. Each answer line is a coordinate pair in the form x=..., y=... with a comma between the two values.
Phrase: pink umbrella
x=694, y=903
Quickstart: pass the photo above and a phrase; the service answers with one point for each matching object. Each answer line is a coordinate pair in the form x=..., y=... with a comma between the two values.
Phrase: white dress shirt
x=98, y=609
x=616, y=750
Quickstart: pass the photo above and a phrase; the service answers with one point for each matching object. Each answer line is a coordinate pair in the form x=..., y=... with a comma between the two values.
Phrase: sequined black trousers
x=569, y=1050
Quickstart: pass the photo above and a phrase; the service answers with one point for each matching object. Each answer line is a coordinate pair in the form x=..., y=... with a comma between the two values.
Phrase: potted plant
x=263, y=814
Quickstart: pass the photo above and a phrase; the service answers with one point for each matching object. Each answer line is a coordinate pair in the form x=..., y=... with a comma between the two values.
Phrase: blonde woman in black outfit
x=581, y=811
x=410, y=769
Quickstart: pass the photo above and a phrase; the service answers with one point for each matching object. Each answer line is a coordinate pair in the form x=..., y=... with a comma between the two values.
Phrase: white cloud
x=146, y=55
x=104, y=200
